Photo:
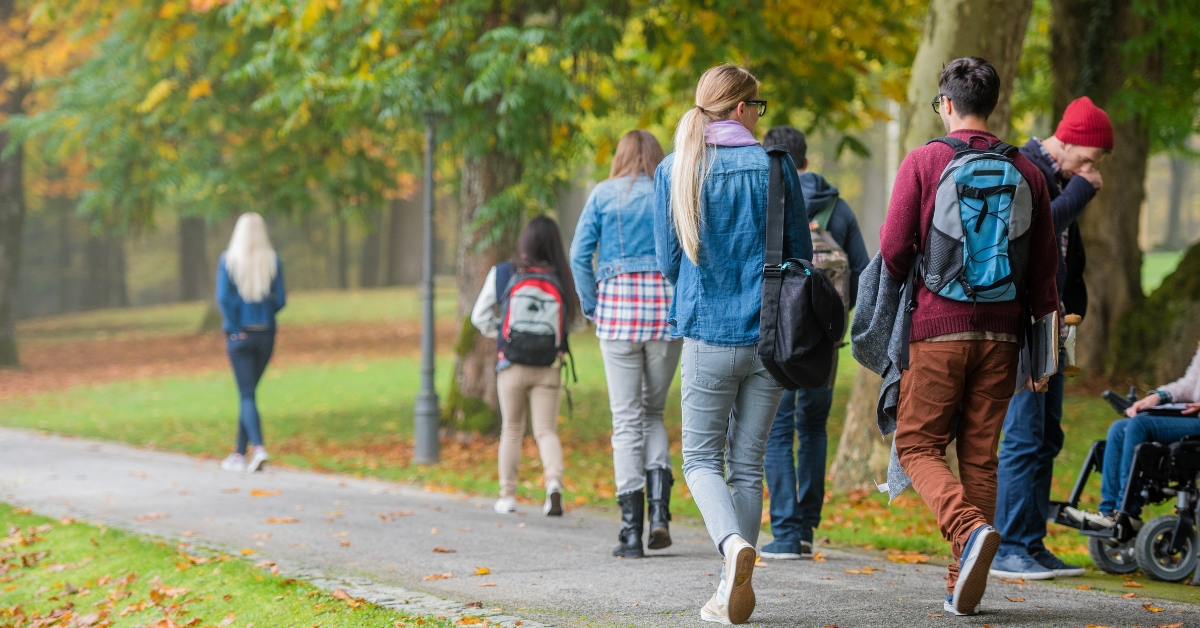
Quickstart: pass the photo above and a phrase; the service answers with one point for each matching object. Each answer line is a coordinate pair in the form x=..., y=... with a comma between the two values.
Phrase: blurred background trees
x=134, y=134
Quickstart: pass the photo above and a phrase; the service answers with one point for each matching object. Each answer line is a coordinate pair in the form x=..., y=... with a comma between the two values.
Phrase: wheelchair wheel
x=1112, y=557
x=1151, y=550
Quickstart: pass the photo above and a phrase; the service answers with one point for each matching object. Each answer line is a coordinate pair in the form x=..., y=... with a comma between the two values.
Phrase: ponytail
x=718, y=93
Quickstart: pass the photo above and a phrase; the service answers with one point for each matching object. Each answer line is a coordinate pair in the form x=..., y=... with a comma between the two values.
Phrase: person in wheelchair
x=1167, y=414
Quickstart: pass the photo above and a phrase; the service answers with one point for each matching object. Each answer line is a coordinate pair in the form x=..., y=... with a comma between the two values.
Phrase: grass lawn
x=355, y=417
x=103, y=577
x=1156, y=266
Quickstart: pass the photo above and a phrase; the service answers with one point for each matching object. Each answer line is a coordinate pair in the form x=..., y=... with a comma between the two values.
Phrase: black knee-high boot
x=633, y=506
x=658, y=499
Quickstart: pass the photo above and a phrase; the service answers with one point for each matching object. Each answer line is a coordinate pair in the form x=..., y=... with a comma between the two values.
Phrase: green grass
x=1156, y=266
x=50, y=566
x=356, y=417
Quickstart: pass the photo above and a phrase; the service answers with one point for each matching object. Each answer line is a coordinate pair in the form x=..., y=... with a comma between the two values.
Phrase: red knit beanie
x=1085, y=124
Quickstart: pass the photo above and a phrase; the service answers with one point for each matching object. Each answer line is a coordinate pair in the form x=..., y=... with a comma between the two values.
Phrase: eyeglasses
x=937, y=103
x=761, y=104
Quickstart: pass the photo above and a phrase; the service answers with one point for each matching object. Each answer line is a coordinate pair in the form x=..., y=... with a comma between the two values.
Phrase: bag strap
x=953, y=142
x=910, y=304
x=823, y=217
x=504, y=271
x=772, y=253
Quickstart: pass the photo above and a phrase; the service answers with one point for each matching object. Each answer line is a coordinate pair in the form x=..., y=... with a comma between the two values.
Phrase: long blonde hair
x=719, y=92
x=638, y=152
x=250, y=260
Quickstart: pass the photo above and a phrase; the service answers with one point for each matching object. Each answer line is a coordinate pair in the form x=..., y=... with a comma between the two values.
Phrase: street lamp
x=428, y=417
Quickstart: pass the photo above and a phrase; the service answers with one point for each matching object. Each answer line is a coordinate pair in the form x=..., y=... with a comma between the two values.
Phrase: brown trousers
x=976, y=375
x=532, y=390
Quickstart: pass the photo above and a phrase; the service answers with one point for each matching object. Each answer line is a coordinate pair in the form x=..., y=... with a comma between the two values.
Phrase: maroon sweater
x=906, y=230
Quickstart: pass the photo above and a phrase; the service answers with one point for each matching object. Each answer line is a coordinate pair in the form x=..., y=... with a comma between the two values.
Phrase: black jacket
x=1067, y=199
x=843, y=226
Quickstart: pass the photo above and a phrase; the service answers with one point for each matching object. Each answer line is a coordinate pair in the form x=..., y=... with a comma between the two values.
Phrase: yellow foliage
x=373, y=39
x=171, y=10
x=200, y=89
x=156, y=95
x=311, y=14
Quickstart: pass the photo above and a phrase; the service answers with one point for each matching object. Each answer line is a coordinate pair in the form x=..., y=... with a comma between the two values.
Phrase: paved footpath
x=556, y=571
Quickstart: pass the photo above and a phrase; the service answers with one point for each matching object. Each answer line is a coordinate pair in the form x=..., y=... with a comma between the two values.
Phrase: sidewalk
x=550, y=570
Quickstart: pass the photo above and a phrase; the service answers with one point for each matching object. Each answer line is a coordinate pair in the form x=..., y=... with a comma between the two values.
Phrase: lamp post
x=425, y=431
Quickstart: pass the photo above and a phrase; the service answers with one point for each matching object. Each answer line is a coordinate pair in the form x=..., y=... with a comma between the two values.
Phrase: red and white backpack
x=533, y=325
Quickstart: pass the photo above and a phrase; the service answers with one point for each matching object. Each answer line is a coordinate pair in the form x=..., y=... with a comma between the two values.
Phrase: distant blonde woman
x=710, y=216
x=249, y=291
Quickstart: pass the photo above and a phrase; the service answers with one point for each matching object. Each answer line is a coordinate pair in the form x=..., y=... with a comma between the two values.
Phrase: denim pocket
x=713, y=366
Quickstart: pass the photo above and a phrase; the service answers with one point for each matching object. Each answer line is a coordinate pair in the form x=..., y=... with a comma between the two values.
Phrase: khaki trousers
x=535, y=390
x=978, y=376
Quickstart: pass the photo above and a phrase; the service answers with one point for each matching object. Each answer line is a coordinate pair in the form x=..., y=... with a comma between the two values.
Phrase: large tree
x=994, y=30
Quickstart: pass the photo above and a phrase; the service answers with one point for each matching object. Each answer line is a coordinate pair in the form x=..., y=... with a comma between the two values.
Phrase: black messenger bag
x=802, y=317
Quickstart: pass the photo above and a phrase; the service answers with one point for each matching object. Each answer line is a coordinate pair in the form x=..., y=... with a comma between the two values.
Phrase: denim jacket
x=718, y=301
x=617, y=228
x=237, y=312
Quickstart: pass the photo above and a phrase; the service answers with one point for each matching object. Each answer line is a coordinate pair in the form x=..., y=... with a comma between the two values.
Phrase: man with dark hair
x=1033, y=433
x=962, y=354
x=798, y=489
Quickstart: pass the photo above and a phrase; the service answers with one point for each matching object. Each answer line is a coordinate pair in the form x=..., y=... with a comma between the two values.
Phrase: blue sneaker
x=973, y=570
x=1019, y=564
x=1055, y=564
x=781, y=550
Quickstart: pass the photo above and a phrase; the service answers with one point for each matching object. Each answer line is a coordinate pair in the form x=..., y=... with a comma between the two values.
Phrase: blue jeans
x=1123, y=437
x=798, y=490
x=249, y=357
x=1033, y=436
x=729, y=400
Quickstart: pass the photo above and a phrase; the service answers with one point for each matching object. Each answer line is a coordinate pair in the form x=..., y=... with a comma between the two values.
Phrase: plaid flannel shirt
x=633, y=307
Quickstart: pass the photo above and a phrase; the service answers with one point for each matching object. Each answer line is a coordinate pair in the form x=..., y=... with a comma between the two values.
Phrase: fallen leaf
x=261, y=493
x=283, y=520
x=66, y=521
x=486, y=584
x=246, y=551
x=346, y=543
x=433, y=531
x=934, y=614
x=150, y=516
x=1152, y=608
x=819, y=557
x=473, y=621
x=481, y=571
x=1014, y=599
x=1133, y=583
x=1179, y=625
x=23, y=511
x=909, y=557
x=1130, y=595
x=341, y=595
x=444, y=550
x=338, y=535
x=1084, y=587
x=1013, y=581
x=439, y=576
x=229, y=490
x=758, y=562
x=265, y=563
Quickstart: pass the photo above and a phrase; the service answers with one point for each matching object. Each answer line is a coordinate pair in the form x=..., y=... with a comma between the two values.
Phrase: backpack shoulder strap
x=504, y=272
x=953, y=142
x=1003, y=148
x=825, y=215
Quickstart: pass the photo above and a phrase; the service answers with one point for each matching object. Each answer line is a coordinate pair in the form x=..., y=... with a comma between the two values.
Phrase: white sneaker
x=257, y=458
x=734, y=600
x=234, y=462
x=506, y=505
x=553, y=506
x=1094, y=518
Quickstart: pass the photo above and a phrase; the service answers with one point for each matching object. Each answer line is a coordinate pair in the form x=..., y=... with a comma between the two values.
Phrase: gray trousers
x=639, y=375
x=729, y=403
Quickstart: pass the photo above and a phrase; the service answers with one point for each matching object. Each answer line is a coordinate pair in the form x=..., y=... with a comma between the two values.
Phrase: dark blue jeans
x=249, y=357
x=797, y=488
x=1123, y=437
x=1033, y=436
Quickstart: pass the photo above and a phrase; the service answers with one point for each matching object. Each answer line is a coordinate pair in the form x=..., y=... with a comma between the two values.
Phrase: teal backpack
x=978, y=245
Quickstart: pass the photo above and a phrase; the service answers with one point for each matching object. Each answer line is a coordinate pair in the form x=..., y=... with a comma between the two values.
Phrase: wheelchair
x=1164, y=548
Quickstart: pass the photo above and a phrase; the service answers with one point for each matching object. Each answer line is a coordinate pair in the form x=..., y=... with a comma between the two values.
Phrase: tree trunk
x=342, y=269
x=368, y=268
x=105, y=285
x=193, y=259
x=404, y=241
x=862, y=454
x=992, y=29
x=472, y=402
x=65, y=257
x=1087, y=39
x=12, y=220
x=1176, y=239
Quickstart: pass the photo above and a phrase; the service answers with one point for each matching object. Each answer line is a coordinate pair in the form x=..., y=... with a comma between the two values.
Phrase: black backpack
x=802, y=317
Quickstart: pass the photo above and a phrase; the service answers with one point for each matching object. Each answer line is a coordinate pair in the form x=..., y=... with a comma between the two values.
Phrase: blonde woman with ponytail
x=249, y=292
x=709, y=229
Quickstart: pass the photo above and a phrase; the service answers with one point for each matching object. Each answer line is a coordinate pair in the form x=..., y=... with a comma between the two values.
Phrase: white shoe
x=553, y=506
x=506, y=505
x=234, y=462
x=734, y=600
x=257, y=459
x=1094, y=518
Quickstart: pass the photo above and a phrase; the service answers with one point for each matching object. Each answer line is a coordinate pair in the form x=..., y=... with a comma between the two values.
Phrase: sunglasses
x=761, y=104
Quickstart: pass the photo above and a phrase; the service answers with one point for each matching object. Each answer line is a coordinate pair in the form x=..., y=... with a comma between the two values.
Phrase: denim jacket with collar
x=717, y=301
x=617, y=228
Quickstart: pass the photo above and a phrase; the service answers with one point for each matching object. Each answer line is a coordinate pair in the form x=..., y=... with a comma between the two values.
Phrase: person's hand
x=1093, y=177
x=242, y=336
x=1039, y=386
x=1149, y=401
x=1191, y=409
